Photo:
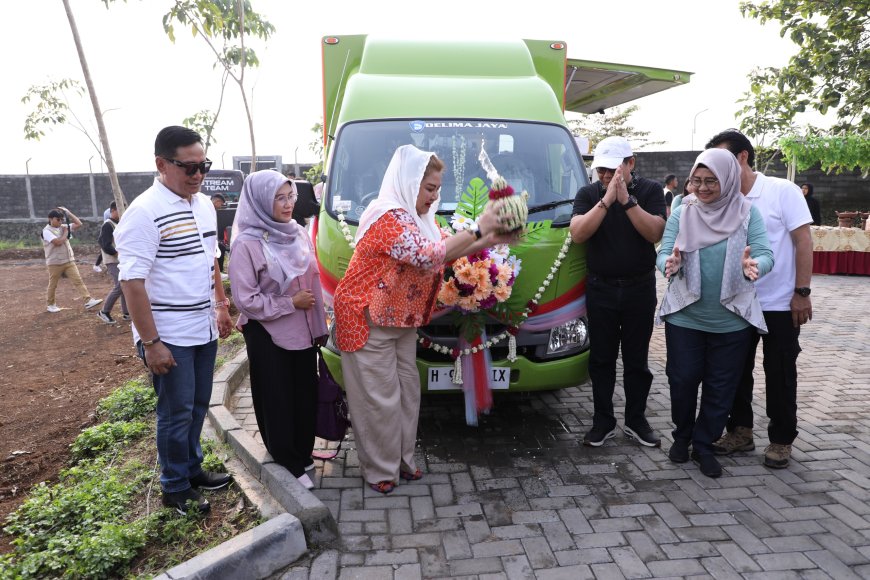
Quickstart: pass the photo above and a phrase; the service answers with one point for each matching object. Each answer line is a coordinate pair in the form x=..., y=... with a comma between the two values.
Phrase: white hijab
x=399, y=190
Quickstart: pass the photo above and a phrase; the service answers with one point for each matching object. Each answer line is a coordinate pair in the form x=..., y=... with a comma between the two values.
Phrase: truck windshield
x=541, y=159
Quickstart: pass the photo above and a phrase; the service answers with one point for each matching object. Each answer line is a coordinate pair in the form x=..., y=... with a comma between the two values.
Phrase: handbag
x=332, y=413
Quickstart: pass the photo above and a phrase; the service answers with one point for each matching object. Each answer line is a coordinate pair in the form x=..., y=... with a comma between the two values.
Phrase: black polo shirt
x=617, y=250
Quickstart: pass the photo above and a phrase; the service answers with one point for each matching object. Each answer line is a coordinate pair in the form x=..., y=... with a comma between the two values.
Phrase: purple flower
x=465, y=289
x=488, y=302
x=493, y=273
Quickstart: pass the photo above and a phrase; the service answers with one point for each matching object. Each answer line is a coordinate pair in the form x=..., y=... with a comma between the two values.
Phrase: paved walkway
x=520, y=497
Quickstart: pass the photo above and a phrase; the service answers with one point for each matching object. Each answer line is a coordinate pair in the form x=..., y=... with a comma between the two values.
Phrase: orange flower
x=448, y=294
x=467, y=303
x=502, y=292
x=483, y=290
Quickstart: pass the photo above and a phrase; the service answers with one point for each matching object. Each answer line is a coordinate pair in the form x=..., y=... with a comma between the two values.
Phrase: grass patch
x=103, y=517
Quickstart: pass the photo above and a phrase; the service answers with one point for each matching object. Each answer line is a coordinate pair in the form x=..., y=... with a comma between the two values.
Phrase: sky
x=145, y=82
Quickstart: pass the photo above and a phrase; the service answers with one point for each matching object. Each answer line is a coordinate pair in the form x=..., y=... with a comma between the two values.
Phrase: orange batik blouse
x=395, y=272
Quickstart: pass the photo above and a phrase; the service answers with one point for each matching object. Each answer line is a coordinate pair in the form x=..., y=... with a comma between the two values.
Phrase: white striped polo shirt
x=172, y=244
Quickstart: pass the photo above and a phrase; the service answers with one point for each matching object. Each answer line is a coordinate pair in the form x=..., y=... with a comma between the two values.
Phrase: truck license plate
x=441, y=378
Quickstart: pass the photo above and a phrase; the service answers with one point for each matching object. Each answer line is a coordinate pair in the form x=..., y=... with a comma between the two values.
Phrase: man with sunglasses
x=784, y=294
x=621, y=217
x=167, y=245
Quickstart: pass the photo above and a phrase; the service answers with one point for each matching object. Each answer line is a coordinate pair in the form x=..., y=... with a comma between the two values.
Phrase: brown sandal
x=383, y=487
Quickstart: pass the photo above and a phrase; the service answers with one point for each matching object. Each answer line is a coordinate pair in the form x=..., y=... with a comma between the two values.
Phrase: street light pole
x=694, y=121
x=29, y=189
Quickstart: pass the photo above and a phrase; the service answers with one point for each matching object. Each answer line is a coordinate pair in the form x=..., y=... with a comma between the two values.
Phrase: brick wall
x=843, y=192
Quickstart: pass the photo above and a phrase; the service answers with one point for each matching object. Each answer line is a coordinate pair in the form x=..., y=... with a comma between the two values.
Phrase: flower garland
x=459, y=165
x=510, y=333
x=345, y=230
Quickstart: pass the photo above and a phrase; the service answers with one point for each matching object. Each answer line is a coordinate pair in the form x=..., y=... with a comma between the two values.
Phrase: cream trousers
x=383, y=392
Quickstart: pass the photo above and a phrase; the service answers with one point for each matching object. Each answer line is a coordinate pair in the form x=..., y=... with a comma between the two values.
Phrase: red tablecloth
x=841, y=263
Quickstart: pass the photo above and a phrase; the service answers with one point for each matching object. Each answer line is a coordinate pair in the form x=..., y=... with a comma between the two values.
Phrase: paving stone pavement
x=520, y=497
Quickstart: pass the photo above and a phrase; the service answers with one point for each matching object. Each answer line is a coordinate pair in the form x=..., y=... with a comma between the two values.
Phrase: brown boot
x=738, y=440
x=777, y=455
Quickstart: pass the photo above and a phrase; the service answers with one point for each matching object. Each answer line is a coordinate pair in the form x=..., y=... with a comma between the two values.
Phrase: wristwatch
x=803, y=291
x=632, y=201
x=475, y=229
x=153, y=341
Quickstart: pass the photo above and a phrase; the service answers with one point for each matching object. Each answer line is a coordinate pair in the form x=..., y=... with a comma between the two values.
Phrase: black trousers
x=781, y=348
x=620, y=315
x=703, y=358
x=284, y=389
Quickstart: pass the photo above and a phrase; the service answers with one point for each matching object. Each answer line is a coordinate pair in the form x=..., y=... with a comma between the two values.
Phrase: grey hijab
x=285, y=245
x=705, y=224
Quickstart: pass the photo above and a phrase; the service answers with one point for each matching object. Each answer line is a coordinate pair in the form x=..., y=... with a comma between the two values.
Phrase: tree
x=98, y=114
x=614, y=122
x=316, y=147
x=203, y=123
x=219, y=23
x=831, y=70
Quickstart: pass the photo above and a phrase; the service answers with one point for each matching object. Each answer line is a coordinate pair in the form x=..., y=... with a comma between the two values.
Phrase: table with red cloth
x=840, y=250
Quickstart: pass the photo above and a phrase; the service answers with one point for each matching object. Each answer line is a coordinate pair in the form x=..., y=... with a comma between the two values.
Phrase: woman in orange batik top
x=388, y=291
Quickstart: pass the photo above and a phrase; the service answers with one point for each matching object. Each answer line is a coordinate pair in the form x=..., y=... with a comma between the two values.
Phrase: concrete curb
x=317, y=521
x=254, y=554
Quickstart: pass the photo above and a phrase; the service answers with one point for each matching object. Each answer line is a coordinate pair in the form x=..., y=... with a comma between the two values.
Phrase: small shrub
x=133, y=400
x=105, y=436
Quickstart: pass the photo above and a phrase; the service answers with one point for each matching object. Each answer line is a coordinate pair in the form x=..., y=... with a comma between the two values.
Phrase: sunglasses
x=191, y=167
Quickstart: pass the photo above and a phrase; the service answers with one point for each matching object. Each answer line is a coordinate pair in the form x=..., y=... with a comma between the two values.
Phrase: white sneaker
x=306, y=481
x=107, y=318
x=53, y=308
x=98, y=270
x=92, y=302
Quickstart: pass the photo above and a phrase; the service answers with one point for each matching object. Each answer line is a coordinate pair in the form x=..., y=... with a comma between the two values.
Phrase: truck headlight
x=572, y=335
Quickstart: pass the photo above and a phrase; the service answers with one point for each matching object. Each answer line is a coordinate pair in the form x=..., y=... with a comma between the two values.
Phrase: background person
x=714, y=247
x=621, y=217
x=812, y=203
x=59, y=257
x=219, y=202
x=106, y=213
x=670, y=191
x=785, y=298
x=110, y=258
x=167, y=244
x=276, y=287
x=388, y=291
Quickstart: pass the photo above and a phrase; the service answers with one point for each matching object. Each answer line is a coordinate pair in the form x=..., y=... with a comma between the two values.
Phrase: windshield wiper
x=551, y=205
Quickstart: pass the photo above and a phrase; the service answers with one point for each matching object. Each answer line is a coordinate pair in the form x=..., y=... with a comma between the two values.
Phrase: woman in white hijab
x=276, y=287
x=388, y=291
x=714, y=246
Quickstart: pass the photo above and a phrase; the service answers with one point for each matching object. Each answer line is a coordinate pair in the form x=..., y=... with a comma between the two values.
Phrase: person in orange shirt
x=388, y=291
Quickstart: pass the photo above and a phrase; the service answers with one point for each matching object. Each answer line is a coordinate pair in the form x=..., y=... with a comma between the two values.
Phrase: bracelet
x=154, y=340
x=603, y=205
x=222, y=303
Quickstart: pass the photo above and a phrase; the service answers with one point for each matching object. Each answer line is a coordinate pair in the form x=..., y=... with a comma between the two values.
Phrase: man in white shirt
x=784, y=294
x=167, y=242
x=59, y=257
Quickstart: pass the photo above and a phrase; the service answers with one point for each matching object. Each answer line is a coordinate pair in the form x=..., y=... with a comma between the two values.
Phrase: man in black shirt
x=621, y=217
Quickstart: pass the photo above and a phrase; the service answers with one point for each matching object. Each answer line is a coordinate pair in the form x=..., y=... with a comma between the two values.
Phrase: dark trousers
x=620, y=315
x=780, y=349
x=284, y=389
x=706, y=358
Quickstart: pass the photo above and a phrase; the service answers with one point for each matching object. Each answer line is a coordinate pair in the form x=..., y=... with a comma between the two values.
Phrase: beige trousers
x=72, y=272
x=383, y=393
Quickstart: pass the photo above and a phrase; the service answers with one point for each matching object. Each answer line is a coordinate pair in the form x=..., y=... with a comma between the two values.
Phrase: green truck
x=505, y=99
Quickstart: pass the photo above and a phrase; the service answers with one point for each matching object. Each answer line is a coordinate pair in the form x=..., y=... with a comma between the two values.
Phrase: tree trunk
x=120, y=201
x=241, y=8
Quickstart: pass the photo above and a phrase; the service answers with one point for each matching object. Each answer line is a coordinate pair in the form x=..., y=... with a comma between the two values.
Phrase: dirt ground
x=55, y=368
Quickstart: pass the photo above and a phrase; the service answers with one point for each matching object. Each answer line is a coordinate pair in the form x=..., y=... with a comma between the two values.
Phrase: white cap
x=611, y=152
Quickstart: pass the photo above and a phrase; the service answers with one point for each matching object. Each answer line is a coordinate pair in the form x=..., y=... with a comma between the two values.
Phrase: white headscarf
x=285, y=245
x=705, y=224
x=399, y=189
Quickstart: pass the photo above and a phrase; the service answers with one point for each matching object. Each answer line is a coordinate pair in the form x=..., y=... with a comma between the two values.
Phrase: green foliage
x=533, y=233
x=105, y=437
x=614, y=122
x=834, y=153
x=203, y=123
x=831, y=70
x=51, y=106
x=76, y=528
x=133, y=400
x=235, y=339
x=473, y=200
x=217, y=21
x=213, y=455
